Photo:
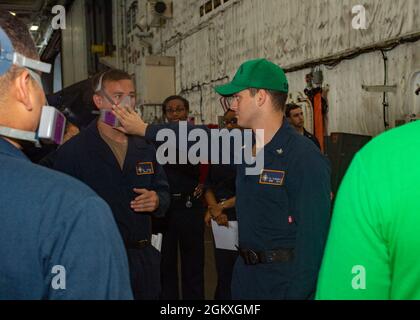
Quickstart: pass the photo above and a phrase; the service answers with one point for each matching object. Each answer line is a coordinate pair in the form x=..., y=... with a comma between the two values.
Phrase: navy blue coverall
x=88, y=158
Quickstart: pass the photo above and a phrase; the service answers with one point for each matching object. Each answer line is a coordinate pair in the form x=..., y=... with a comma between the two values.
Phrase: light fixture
x=34, y=28
x=12, y=13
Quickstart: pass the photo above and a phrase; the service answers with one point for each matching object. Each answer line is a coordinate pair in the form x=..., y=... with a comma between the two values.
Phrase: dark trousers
x=183, y=227
x=144, y=267
x=225, y=260
x=269, y=281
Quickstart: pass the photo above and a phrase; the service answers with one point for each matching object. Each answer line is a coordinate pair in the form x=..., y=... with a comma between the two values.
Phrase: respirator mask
x=106, y=115
x=52, y=122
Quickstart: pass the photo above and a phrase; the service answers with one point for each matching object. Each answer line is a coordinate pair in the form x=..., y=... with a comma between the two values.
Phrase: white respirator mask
x=52, y=122
x=109, y=118
x=106, y=115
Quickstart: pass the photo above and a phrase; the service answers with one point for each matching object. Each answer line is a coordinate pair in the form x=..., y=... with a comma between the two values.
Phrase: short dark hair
x=109, y=76
x=175, y=97
x=22, y=42
x=290, y=107
x=279, y=98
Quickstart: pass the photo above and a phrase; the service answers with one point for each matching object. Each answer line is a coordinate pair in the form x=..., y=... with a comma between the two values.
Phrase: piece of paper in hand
x=225, y=238
x=157, y=241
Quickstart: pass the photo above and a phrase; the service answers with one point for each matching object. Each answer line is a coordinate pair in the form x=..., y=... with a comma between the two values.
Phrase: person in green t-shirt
x=373, y=246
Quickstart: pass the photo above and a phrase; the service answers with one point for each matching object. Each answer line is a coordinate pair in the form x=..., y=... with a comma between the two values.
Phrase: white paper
x=225, y=238
x=157, y=241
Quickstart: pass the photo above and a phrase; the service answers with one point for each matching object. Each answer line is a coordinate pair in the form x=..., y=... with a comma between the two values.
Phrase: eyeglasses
x=172, y=111
x=231, y=99
x=227, y=102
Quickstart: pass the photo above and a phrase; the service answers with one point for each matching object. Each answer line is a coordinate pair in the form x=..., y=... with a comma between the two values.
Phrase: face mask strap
x=26, y=62
x=99, y=87
x=100, y=91
x=112, y=102
x=36, y=77
x=8, y=57
x=20, y=135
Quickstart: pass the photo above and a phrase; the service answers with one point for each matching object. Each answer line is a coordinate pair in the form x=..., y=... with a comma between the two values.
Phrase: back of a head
x=22, y=42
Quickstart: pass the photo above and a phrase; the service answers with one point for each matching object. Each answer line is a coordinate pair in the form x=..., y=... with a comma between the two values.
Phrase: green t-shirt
x=373, y=248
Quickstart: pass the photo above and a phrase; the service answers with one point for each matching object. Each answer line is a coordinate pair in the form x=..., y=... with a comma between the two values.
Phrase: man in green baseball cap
x=283, y=213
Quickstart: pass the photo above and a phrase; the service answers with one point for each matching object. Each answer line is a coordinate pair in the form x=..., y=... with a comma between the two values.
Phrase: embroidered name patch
x=143, y=168
x=273, y=177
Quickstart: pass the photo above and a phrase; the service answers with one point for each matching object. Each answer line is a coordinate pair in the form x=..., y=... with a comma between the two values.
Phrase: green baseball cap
x=258, y=74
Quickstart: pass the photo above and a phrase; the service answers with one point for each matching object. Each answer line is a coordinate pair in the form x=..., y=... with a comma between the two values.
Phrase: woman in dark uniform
x=183, y=225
